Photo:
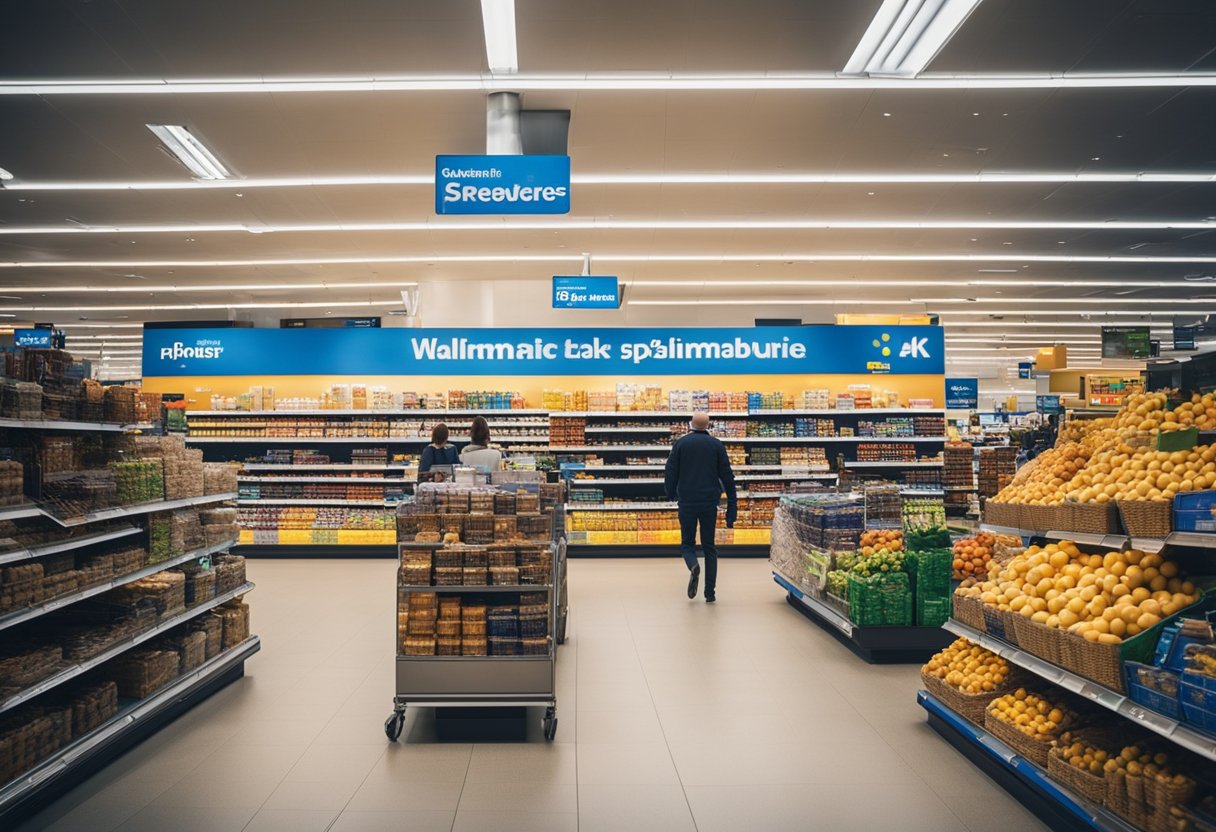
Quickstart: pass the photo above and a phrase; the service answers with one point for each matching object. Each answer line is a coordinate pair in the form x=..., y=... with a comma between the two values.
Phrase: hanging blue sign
x=1025, y=368
x=586, y=292
x=1047, y=404
x=808, y=350
x=33, y=338
x=962, y=393
x=502, y=184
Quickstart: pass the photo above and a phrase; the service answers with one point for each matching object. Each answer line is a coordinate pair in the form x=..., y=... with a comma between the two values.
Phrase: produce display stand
x=489, y=681
x=69, y=763
x=1057, y=806
x=876, y=645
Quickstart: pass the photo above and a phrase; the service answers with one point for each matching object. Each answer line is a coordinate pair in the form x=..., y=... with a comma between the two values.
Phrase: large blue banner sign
x=586, y=292
x=502, y=184
x=962, y=393
x=539, y=352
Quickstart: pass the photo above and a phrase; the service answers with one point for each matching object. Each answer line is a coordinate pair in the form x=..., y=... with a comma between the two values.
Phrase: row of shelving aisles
x=120, y=604
x=1084, y=674
x=614, y=461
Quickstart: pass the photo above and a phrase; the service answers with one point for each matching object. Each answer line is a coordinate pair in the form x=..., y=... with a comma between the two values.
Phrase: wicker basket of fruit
x=1028, y=723
x=1147, y=518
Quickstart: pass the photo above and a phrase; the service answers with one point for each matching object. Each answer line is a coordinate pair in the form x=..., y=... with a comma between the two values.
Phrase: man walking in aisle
x=698, y=471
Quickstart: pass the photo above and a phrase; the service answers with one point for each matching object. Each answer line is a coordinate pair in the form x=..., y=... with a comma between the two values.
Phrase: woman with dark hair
x=439, y=452
x=479, y=453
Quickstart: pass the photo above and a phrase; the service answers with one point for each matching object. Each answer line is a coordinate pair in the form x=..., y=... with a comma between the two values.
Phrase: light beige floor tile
x=424, y=763
x=406, y=821
x=638, y=808
x=380, y=795
x=190, y=819
x=516, y=822
x=620, y=763
x=334, y=763
x=203, y=791
x=268, y=820
x=521, y=797
x=312, y=796
x=619, y=726
x=518, y=763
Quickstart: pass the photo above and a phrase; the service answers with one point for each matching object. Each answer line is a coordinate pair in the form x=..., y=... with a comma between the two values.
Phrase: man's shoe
x=693, y=578
x=710, y=597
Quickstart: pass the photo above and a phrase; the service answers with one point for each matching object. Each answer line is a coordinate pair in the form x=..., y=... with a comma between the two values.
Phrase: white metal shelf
x=816, y=440
x=743, y=414
x=70, y=425
x=128, y=718
x=807, y=476
x=34, y=510
x=618, y=481
x=68, y=673
x=917, y=464
x=921, y=492
x=16, y=617
x=328, y=466
x=792, y=470
x=1196, y=540
x=302, y=501
x=1167, y=727
x=621, y=507
x=651, y=429
x=346, y=440
x=406, y=414
x=576, y=449
x=66, y=545
x=342, y=480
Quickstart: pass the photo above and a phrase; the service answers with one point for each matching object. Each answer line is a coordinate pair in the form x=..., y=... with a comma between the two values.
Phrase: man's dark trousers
x=707, y=519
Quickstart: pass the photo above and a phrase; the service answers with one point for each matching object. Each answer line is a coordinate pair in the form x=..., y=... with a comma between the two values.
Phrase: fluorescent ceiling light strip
x=498, y=23
x=590, y=82
x=899, y=303
x=191, y=152
x=632, y=225
x=1106, y=301
x=181, y=306
x=610, y=257
x=810, y=178
x=905, y=35
x=144, y=288
x=834, y=282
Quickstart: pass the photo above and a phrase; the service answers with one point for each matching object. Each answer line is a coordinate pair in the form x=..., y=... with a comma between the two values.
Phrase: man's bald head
x=700, y=420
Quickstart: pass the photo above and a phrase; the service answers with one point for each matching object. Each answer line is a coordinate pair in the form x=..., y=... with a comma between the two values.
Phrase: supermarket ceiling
x=1055, y=163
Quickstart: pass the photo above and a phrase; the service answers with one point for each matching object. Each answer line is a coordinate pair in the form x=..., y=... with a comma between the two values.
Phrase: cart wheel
x=550, y=724
x=393, y=725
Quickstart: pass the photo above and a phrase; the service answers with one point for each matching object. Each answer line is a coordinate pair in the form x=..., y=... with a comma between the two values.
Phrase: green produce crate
x=881, y=600
x=927, y=538
x=1178, y=440
x=933, y=612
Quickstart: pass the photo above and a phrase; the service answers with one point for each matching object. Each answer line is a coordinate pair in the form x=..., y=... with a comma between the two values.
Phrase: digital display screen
x=1126, y=342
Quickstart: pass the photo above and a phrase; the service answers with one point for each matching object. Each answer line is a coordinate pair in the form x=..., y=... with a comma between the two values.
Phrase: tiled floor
x=674, y=715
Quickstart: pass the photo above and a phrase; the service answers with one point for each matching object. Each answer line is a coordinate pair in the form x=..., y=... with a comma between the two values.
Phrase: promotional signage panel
x=33, y=337
x=1184, y=337
x=1047, y=404
x=586, y=292
x=502, y=184
x=962, y=393
x=906, y=350
x=1025, y=368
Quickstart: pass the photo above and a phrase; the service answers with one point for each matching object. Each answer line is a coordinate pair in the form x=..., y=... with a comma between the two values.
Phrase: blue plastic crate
x=1197, y=694
x=1148, y=697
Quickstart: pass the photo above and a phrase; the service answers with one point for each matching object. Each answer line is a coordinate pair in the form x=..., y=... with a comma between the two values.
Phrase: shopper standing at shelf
x=439, y=452
x=479, y=453
x=698, y=471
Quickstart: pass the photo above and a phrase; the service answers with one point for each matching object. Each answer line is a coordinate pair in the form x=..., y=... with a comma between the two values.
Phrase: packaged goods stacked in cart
x=884, y=506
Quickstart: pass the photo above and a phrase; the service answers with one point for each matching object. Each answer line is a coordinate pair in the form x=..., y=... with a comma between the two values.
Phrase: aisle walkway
x=674, y=715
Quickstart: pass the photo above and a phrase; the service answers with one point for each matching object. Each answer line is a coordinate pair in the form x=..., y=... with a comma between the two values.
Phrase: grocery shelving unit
x=613, y=436
x=135, y=719
x=364, y=540
x=1060, y=808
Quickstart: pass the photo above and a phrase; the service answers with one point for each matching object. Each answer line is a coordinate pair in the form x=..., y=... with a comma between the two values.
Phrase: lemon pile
x=968, y=668
x=1149, y=412
x=1102, y=598
x=1147, y=475
x=1030, y=713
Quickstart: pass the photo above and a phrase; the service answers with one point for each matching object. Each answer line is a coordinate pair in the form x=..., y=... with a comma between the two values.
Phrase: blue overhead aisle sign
x=502, y=184
x=586, y=292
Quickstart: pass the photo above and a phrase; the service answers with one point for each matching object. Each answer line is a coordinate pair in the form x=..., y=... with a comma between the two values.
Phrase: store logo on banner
x=962, y=393
x=502, y=184
x=556, y=351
